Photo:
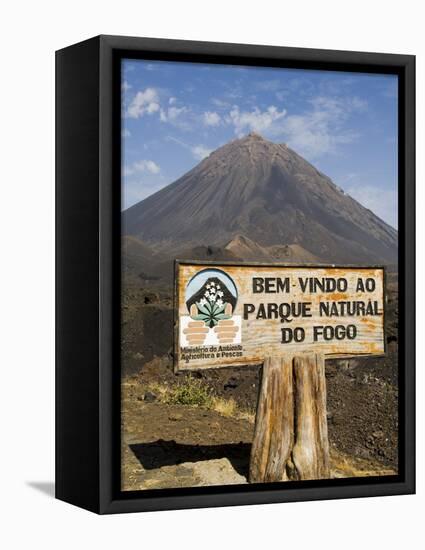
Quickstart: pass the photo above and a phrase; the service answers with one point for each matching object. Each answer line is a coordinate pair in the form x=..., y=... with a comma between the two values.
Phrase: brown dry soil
x=166, y=446
x=178, y=446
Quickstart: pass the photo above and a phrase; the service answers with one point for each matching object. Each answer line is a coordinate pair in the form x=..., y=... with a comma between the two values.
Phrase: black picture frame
x=88, y=273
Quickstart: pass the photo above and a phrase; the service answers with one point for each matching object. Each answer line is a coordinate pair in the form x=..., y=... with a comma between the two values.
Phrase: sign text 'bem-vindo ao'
x=237, y=314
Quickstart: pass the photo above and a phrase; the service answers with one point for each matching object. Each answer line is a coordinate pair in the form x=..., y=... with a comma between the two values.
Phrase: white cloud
x=219, y=102
x=148, y=102
x=127, y=171
x=211, y=118
x=171, y=114
x=141, y=166
x=125, y=86
x=125, y=133
x=382, y=202
x=282, y=95
x=320, y=130
x=200, y=151
x=339, y=106
x=312, y=134
x=144, y=102
x=155, y=101
x=257, y=120
x=147, y=165
x=317, y=131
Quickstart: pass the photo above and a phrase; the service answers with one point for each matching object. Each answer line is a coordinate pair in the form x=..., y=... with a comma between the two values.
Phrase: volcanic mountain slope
x=245, y=249
x=268, y=194
x=137, y=254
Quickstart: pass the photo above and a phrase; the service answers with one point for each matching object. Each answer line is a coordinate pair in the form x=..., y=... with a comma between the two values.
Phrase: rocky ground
x=169, y=445
x=166, y=446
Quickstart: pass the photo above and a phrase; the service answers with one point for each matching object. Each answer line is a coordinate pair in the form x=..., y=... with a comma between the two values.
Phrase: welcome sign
x=236, y=314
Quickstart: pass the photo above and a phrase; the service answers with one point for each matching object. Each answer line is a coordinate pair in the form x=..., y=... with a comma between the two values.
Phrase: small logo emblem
x=211, y=298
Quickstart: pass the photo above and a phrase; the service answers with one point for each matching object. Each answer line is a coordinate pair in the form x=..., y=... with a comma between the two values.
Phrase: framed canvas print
x=235, y=274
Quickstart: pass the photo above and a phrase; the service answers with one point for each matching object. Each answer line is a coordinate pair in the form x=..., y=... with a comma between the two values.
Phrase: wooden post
x=273, y=436
x=290, y=437
x=310, y=454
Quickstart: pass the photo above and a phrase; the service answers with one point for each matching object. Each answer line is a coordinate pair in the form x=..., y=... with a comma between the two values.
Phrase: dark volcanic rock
x=149, y=397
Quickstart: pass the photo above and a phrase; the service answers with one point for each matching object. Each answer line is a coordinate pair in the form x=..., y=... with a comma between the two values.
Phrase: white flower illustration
x=211, y=307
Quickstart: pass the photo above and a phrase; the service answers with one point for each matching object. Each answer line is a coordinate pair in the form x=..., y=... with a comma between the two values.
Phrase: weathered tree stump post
x=310, y=454
x=291, y=437
x=273, y=437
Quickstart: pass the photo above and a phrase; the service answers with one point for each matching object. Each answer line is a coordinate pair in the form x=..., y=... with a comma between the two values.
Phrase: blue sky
x=174, y=114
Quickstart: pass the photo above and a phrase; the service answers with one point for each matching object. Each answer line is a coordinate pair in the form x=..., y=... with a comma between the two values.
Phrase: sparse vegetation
x=191, y=392
x=195, y=393
x=229, y=408
x=226, y=407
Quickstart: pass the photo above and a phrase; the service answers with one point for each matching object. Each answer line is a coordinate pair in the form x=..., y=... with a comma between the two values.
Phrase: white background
x=30, y=33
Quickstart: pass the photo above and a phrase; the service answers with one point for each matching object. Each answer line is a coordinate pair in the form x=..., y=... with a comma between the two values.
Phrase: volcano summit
x=269, y=195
